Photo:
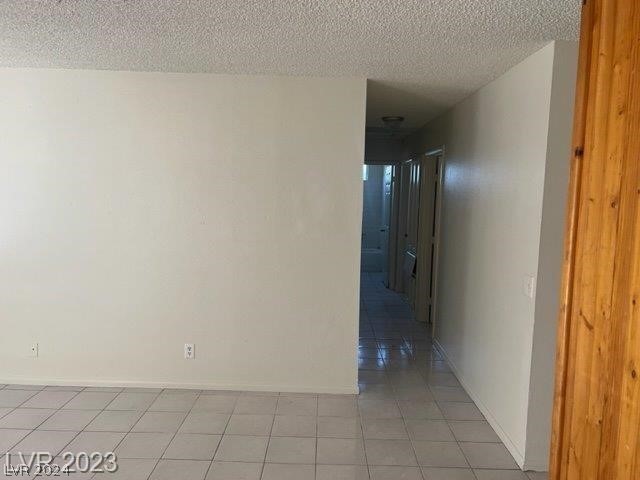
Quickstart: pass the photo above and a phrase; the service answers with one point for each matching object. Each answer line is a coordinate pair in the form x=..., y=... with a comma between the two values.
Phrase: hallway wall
x=143, y=211
x=506, y=162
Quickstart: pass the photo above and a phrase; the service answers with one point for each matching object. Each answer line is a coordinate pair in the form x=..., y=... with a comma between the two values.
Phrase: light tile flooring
x=412, y=421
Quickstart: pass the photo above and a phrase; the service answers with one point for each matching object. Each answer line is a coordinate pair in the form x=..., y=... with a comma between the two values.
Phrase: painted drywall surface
x=142, y=211
x=382, y=150
x=495, y=153
x=550, y=256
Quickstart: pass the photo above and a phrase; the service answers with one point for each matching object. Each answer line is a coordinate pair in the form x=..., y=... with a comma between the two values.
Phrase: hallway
x=413, y=409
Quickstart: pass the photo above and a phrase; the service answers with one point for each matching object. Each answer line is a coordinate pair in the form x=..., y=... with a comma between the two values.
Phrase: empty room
x=320, y=240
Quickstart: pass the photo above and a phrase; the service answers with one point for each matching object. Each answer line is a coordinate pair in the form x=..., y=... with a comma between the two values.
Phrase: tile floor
x=412, y=421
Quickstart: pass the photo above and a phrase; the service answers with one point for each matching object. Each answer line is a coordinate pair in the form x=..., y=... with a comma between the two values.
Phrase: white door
x=387, y=178
x=428, y=233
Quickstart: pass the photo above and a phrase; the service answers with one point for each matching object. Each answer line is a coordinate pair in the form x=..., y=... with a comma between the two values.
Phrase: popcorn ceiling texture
x=420, y=56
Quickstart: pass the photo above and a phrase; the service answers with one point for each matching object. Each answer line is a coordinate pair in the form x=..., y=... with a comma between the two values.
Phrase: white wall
x=504, y=146
x=141, y=211
x=547, y=302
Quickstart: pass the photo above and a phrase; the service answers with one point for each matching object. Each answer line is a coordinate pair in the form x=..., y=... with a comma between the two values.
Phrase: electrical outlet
x=34, y=350
x=189, y=351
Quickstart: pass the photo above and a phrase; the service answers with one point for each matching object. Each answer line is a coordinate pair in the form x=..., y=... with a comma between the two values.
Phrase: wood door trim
x=564, y=324
x=596, y=417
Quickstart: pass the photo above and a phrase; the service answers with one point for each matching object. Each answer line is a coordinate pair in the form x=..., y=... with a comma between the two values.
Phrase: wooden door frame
x=596, y=415
x=568, y=265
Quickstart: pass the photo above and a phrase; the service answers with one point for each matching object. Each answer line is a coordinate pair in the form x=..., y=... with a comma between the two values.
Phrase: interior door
x=403, y=184
x=412, y=227
x=428, y=230
x=393, y=227
x=386, y=217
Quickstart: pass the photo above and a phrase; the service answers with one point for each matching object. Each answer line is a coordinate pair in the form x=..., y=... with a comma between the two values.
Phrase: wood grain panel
x=596, y=422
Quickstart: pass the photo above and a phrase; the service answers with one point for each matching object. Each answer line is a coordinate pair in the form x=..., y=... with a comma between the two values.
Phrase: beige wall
x=142, y=211
x=506, y=151
x=550, y=253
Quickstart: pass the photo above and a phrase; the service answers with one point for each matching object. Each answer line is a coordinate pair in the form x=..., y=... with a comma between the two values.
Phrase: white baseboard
x=513, y=450
x=346, y=390
x=535, y=468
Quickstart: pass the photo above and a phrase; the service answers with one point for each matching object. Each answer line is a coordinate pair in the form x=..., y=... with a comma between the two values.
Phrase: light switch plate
x=529, y=286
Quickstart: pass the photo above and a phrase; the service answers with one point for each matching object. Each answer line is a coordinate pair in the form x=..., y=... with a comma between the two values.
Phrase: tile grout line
x=176, y=432
x=48, y=417
x=134, y=423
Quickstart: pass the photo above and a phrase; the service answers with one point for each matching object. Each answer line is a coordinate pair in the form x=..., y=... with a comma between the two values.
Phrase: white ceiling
x=420, y=56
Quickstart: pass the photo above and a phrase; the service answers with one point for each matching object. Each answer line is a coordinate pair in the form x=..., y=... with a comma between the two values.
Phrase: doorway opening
x=376, y=217
x=414, y=232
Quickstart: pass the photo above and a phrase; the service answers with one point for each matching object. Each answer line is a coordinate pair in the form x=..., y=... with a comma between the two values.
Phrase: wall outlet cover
x=189, y=351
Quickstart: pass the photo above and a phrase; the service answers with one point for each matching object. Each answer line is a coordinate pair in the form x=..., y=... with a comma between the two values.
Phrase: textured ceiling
x=420, y=56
